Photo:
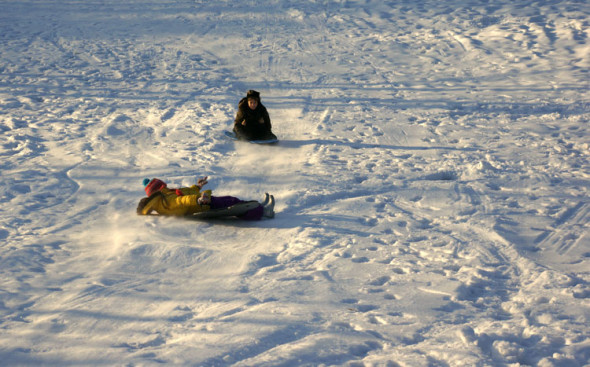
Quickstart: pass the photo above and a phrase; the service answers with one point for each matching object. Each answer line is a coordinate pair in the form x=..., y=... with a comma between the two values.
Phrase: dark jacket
x=257, y=125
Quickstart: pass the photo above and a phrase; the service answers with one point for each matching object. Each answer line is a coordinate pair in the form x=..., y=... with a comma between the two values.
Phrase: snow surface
x=432, y=183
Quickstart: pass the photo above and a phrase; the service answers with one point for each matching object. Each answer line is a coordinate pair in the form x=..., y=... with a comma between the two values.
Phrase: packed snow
x=432, y=183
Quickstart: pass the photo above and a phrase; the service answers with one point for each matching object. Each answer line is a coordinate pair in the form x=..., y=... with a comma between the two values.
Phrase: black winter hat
x=253, y=94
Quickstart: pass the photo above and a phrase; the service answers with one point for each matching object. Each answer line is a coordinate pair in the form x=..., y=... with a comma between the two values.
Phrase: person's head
x=253, y=99
x=153, y=185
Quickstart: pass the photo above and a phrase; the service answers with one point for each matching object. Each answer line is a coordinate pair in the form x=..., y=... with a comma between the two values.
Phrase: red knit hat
x=154, y=185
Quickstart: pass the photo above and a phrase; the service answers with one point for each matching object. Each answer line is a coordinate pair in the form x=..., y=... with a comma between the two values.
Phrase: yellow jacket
x=168, y=202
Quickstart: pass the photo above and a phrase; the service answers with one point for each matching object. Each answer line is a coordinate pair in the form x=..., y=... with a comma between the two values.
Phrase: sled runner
x=232, y=211
x=232, y=136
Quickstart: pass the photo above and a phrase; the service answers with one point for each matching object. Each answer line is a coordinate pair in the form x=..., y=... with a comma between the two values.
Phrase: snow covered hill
x=432, y=183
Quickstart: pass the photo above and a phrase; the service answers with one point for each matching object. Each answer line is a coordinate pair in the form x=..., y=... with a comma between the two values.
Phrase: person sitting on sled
x=252, y=121
x=189, y=200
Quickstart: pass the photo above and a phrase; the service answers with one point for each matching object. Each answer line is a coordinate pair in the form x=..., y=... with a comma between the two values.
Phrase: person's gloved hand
x=202, y=182
x=205, y=199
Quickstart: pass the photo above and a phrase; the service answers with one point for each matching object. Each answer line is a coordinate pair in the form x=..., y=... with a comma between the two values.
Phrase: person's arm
x=239, y=120
x=266, y=118
x=183, y=205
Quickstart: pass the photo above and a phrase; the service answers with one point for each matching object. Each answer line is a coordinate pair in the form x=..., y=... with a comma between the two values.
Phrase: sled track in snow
x=568, y=231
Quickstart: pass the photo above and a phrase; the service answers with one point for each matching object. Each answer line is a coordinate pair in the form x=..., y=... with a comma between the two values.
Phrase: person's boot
x=266, y=199
x=269, y=211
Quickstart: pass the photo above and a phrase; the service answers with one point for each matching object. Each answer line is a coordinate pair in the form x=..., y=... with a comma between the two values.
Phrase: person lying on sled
x=189, y=200
x=252, y=121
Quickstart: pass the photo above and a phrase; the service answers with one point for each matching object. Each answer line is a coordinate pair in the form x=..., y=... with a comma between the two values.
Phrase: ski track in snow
x=431, y=182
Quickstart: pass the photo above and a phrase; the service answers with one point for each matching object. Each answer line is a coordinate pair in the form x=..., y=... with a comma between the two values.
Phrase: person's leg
x=242, y=133
x=269, y=135
x=218, y=202
x=253, y=214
